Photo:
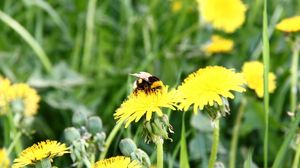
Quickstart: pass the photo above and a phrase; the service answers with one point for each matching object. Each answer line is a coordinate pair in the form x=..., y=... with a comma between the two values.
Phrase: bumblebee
x=147, y=83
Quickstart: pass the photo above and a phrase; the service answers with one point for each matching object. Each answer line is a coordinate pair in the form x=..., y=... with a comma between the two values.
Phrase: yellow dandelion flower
x=253, y=73
x=117, y=162
x=218, y=45
x=176, y=5
x=141, y=103
x=291, y=24
x=4, y=160
x=208, y=85
x=227, y=15
x=5, y=94
x=42, y=150
x=29, y=97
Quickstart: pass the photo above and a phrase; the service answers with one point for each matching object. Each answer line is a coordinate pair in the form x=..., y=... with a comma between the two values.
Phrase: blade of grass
x=184, y=158
x=266, y=60
x=40, y=53
x=294, y=74
x=89, y=35
x=288, y=138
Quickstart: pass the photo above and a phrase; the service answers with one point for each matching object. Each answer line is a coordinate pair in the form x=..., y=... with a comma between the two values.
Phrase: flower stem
x=45, y=163
x=266, y=60
x=109, y=139
x=160, y=154
x=294, y=76
x=297, y=157
x=235, y=134
x=13, y=133
x=12, y=145
x=214, y=147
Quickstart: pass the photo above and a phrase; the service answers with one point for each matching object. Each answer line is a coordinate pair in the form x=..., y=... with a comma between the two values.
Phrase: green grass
x=102, y=42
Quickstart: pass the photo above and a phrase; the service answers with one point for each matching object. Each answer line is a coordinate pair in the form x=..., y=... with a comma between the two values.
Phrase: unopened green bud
x=71, y=134
x=79, y=117
x=157, y=129
x=127, y=146
x=143, y=157
x=94, y=125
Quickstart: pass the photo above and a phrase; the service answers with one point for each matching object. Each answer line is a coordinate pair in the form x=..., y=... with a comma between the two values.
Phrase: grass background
x=93, y=45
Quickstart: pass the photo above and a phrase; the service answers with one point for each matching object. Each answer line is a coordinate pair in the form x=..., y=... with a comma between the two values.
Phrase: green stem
x=184, y=158
x=160, y=154
x=235, y=135
x=45, y=163
x=14, y=142
x=215, y=143
x=266, y=60
x=13, y=132
x=111, y=136
x=294, y=76
x=297, y=156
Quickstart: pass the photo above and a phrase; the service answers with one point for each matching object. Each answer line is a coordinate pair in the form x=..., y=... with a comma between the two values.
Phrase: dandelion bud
x=99, y=139
x=127, y=146
x=71, y=134
x=94, y=125
x=79, y=118
x=157, y=129
x=143, y=157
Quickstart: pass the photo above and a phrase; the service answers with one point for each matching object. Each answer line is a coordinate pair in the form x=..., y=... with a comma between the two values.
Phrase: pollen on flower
x=117, y=162
x=291, y=24
x=218, y=44
x=253, y=73
x=45, y=149
x=208, y=86
x=227, y=15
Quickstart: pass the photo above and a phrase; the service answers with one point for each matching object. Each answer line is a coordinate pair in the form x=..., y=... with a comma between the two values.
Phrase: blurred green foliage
x=127, y=36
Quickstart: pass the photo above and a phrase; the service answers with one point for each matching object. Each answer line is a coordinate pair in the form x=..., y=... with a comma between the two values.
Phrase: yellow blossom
x=140, y=104
x=208, y=85
x=5, y=94
x=42, y=150
x=117, y=162
x=176, y=5
x=29, y=97
x=253, y=73
x=227, y=15
x=289, y=25
x=218, y=45
x=4, y=160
